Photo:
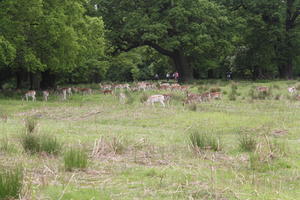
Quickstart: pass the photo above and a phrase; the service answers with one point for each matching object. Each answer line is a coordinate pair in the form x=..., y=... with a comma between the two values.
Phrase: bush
x=75, y=159
x=11, y=183
x=247, y=143
x=34, y=143
x=200, y=141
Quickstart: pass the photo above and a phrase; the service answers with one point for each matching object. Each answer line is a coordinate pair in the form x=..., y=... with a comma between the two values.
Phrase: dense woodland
x=44, y=43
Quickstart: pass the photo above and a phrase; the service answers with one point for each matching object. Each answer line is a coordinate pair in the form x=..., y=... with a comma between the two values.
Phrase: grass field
x=144, y=152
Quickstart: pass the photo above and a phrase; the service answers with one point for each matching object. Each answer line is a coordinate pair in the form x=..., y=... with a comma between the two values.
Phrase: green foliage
x=30, y=124
x=233, y=92
x=11, y=182
x=75, y=159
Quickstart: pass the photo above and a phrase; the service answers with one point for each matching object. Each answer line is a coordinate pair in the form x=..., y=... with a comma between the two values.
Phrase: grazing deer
x=86, y=90
x=156, y=98
x=45, y=95
x=107, y=91
x=30, y=93
x=167, y=98
x=215, y=95
x=192, y=98
x=63, y=93
x=262, y=89
x=122, y=97
x=75, y=89
x=292, y=90
x=206, y=96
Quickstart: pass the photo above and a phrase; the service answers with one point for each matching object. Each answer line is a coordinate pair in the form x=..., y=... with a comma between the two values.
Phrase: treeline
x=48, y=42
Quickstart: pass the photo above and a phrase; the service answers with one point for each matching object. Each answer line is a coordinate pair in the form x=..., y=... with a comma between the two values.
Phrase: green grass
x=75, y=159
x=155, y=162
x=11, y=182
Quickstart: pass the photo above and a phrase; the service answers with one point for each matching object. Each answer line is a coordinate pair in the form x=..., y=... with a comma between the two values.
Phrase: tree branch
x=159, y=49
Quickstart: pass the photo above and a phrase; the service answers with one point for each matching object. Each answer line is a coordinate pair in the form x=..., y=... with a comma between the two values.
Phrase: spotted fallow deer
x=30, y=93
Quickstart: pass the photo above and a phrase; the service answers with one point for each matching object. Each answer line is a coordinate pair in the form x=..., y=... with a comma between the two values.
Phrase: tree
x=183, y=30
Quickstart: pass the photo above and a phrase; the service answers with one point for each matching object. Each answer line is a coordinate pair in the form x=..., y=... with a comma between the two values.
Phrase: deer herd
x=163, y=99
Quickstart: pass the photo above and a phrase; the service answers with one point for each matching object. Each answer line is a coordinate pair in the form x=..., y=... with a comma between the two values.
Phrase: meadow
x=135, y=151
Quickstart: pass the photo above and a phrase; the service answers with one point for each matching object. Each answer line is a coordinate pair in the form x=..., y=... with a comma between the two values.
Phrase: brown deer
x=156, y=98
x=45, y=95
x=30, y=93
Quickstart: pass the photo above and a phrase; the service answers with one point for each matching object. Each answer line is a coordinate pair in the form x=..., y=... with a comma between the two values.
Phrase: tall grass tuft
x=130, y=98
x=35, y=143
x=11, y=183
x=247, y=142
x=144, y=98
x=233, y=92
x=6, y=146
x=201, y=141
x=75, y=159
x=30, y=124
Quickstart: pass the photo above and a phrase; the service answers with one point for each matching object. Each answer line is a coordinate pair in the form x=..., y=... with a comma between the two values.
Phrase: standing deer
x=45, y=95
x=156, y=98
x=30, y=93
x=122, y=98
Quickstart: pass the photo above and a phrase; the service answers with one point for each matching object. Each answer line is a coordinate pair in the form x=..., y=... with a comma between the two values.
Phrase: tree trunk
x=181, y=65
x=48, y=80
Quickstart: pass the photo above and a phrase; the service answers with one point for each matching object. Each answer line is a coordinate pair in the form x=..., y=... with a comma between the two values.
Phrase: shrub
x=75, y=159
x=200, y=141
x=50, y=145
x=30, y=143
x=247, y=142
x=11, y=183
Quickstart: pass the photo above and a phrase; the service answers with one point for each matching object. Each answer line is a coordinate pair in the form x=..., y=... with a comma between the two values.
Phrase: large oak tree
x=183, y=30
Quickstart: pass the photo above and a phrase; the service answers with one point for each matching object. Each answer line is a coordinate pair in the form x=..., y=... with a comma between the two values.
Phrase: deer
x=122, y=97
x=107, y=91
x=262, y=89
x=156, y=98
x=30, y=93
x=45, y=95
x=86, y=90
x=192, y=98
x=292, y=90
x=215, y=95
x=63, y=92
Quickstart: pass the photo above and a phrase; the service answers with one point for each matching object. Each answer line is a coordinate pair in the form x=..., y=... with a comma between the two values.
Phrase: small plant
x=50, y=145
x=75, y=159
x=30, y=124
x=108, y=146
x=193, y=107
x=200, y=141
x=11, y=182
x=247, y=142
x=255, y=161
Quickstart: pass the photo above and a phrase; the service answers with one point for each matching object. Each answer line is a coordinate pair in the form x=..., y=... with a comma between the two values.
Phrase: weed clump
x=75, y=159
x=203, y=141
x=247, y=142
x=11, y=182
